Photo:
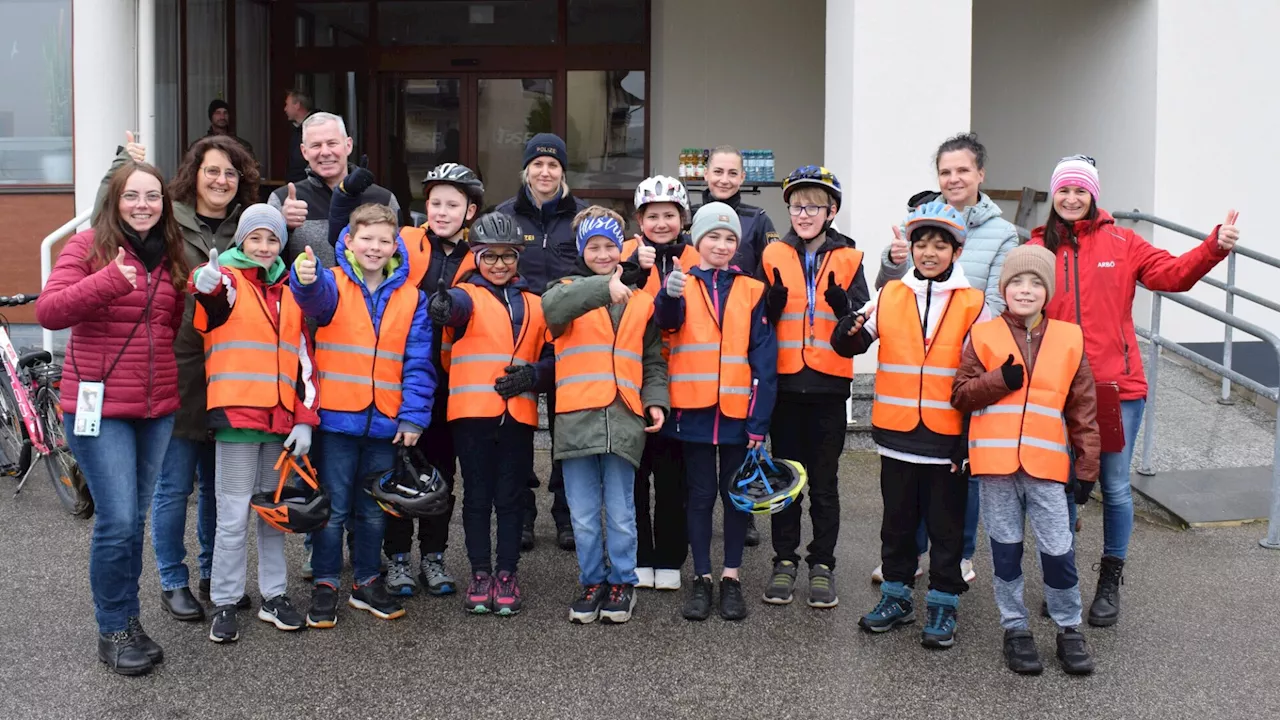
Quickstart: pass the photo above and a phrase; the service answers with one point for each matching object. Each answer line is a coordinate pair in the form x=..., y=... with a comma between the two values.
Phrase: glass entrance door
x=423, y=126
x=509, y=111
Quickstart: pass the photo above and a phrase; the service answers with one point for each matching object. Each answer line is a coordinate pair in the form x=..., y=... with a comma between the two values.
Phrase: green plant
x=57, y=63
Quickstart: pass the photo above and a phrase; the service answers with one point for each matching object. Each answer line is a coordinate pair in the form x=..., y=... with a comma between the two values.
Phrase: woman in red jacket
x=1099, y=265
x=119, y=286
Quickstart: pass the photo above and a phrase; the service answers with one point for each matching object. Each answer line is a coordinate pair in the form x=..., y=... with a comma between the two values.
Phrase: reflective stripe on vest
x=802, y=342
x=484, y=352
x=359, y=367
x=590, y=347
x=689, y=259
x=710, y=368
x=914, y=385
x=251, y=360
x=1026, y=428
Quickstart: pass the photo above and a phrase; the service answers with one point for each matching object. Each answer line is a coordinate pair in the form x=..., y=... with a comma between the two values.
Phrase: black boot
x=564, y=538
x=182, y=604
x=120, y=654
x=1105, y=610
x=753, y=535
x=144, y=642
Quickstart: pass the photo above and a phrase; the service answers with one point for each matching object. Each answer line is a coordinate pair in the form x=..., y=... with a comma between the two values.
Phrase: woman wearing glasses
x=217, y=179
x=119, y=286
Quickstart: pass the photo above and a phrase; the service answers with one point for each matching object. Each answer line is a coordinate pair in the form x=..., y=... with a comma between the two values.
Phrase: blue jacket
x=550, y=251
x=757, y=232
x=319, y=300
x=460, y=317
x=709, y=425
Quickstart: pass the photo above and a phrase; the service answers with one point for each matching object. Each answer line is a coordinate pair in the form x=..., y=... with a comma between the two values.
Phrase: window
x=451, y=22
x=35, y=107
x=206, y=50
x=340, y=24
x=340, y=94
x=606, y=132
x=601, y=22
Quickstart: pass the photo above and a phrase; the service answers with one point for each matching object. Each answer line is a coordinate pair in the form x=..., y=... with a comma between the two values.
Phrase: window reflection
x=606, y=131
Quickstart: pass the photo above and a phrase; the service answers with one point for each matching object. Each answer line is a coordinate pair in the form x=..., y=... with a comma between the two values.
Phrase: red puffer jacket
x=102, y=308
x=1096, y=280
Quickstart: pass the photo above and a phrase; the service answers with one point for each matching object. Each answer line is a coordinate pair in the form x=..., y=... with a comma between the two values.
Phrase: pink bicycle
x=31, y=426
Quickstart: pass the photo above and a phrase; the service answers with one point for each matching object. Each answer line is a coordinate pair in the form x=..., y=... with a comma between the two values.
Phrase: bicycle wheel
x=63, y=470
x=15, y=451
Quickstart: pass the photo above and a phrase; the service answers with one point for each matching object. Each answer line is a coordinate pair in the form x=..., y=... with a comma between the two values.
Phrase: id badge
x=89, y=409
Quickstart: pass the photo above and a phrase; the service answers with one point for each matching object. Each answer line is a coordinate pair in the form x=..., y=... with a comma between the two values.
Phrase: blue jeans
x=1117, y=498
x=183, y=462
x=344, y=462
x=120, y=467
x=607, y=481
x=970, y=523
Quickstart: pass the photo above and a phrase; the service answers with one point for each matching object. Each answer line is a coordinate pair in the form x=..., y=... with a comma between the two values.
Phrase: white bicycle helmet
x=661, y=188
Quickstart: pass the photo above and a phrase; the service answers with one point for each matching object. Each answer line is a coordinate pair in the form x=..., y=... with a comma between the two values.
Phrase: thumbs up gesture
x=136, y=150
x=675, y=283
x=209, y=276
x=836, y=297
x=1229, y=234
x=294, y=210
x=646, y=256
x=358, y=180
x=129, y=272
x=898, y=248
x=618, y=291
x=305, y=267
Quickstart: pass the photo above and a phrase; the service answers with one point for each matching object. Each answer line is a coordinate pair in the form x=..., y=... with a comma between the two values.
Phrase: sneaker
x=526, y=536
x=939, y=632
x=782, y=584
x=120, y=654
x=307, y=573
x=374, y=599
x=732, y=606
x=1073, y=653
x=506, y=594
x=877, y=575
x=644, y=577
x=400, y=577
x=822, y=587
x=323, y=612
x=279, y=611
x=698, y=605
x=586, y=608
x=753, y=535
x=479, y=599
x=1020, y=654
x=564, y=538
x=225, y=627
x=435, y=577
x=617, y=608
x=966, y=570
x=665, y=579
x=143, y=641
x=894, y=609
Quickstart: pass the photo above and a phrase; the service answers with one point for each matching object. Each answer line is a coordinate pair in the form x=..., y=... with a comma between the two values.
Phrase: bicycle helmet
x=812, y=175
x=940, y=215
x=659, y=189
x=764, y=486
x=496, y=228
x=293, y=509
x=411, y=487
x=459, y=176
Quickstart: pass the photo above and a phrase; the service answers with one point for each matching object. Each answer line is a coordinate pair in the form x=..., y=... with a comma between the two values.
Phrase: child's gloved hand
x=837, y=298
x=775, y=298
x=358, y=180
x=518, y=379
x=1013, y=375
x=440, y=308
x=209, y=276
x=299, y=440
x=1083, y=490
x=675, y=283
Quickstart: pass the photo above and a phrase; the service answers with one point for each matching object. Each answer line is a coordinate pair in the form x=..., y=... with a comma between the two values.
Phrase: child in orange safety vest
x=1027, y=382
x=611, y=389
x=922, y=322
x=262, y=399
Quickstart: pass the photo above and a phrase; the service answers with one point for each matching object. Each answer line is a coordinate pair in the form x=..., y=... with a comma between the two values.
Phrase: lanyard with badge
x=92, y=394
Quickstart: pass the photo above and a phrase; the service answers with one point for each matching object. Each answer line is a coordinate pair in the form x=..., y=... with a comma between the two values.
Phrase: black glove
x=1083, y=490
x=519, y=379
x=960, y=456
x=633, y=275
x=1012, y=374
x=837, y=298
x=440, y=308
x=775, y=298
x=358, y=180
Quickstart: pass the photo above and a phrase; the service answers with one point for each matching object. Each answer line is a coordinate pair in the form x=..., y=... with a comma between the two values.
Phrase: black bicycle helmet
x=816, y=176
x=412, y=487
x=459, y=176
x=496, y=228
x=291, y=509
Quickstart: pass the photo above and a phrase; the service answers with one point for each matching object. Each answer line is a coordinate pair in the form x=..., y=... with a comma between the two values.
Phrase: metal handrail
x=46, y=260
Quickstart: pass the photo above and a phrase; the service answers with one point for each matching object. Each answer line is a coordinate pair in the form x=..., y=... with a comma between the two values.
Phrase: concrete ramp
x=1207, y=498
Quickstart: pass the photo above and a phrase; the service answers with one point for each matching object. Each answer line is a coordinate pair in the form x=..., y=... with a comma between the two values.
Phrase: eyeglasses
x=132, y=197
x=212, y=172
x=810, y=210
x=492, y=259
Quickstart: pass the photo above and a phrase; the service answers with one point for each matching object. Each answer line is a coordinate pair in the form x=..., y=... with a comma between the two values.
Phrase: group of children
x=667, y=361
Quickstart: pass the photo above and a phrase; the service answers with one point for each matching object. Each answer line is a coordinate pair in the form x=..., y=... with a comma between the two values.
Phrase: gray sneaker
x=400, y=577
x=822, y=587
x=782, y=585
x=435, y=577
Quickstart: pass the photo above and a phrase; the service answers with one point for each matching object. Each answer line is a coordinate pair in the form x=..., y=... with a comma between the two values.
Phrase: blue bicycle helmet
x=764, y=486
x=939, y=215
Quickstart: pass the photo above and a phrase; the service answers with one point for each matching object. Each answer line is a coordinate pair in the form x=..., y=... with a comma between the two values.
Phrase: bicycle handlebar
x=19, y=299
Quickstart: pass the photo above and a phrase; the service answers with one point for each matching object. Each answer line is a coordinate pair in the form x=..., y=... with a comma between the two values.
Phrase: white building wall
x=105, y=99
x=747, y=73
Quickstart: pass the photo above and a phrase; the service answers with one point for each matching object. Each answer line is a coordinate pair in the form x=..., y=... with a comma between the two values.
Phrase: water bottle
x=768, y=170
x=752, y=166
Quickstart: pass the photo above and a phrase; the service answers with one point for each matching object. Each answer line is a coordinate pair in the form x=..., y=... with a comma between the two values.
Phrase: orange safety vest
x=359, y=367
x=240, y=352
x=913, y=381
x=486, y=349
x=689, y=259
x=590, y=345
x=709, y=367
x=804, y=338
x=1026, y=428
x=419, y=247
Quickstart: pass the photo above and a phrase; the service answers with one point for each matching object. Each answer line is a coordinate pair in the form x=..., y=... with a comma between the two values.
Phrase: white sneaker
x=966, y=570
x=644, y=577
x=877, y=575
x=666, y=579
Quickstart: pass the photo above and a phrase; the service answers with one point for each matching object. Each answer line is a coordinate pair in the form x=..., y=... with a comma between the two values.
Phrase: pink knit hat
x=1078, y=170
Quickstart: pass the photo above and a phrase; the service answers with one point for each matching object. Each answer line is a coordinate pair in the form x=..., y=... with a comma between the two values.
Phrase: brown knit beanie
x=1034, y=259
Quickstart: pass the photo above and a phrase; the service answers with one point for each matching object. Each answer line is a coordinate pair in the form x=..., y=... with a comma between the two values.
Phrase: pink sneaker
x=479, y=598
x=506, y=600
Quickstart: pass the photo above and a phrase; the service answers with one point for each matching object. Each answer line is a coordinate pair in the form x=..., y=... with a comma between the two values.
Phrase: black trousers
x=433, y=532
x=496, y=459
x=663, y=542
x=555, y=485
x=810, y=431
x=933, y=492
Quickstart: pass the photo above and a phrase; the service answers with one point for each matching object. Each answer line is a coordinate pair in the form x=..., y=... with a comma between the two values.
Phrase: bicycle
x=32, y=430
